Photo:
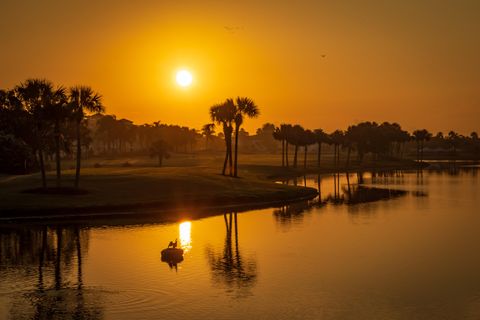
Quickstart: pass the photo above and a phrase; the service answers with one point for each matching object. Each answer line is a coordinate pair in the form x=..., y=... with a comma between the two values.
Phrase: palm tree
x=160, y=149
x=224, y=114
x=320, y=137
x=279, y=136
x=208, y=130
x=420, y=137
x=454, y=140
x=337, y=138
x=308, y=138
x=82, y=99
x=294, y=136
x=57, y=112
x=34, y=93
x=244, y=107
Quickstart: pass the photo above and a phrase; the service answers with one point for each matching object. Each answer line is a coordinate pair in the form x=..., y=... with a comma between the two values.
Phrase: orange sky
x=413, y=62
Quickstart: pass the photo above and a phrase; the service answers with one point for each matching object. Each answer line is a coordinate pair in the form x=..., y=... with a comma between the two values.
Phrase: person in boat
x=172, y=244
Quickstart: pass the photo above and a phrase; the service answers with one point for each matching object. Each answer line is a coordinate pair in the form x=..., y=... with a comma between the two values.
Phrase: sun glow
x=184, y=78
x=185, y=235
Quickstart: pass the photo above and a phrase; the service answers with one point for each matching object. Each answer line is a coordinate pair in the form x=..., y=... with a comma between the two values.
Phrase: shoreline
x=194, y=205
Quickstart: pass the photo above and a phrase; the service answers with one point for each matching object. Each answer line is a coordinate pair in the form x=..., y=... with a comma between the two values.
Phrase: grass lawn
x=186, y=181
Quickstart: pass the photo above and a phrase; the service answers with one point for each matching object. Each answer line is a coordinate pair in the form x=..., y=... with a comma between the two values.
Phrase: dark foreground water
x=400, y=246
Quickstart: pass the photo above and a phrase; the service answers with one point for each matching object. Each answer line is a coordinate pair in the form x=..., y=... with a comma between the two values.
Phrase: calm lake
x=402, y=245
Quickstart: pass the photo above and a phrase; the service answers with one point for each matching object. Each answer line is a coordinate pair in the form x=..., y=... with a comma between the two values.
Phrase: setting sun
x=184, y=78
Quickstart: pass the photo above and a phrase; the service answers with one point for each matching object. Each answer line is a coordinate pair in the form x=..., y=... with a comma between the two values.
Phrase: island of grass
x=114, y=190
x=189, y=186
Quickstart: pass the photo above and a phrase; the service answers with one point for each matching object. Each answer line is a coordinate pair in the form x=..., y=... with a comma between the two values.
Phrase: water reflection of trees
x=230, y=269
x=349, y=192
x=53, y=254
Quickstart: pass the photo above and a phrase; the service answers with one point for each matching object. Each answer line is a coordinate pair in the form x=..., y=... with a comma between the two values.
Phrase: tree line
x=382, y=141
x=37, y=117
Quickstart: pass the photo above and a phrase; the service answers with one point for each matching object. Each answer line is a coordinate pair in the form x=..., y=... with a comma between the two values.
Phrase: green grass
x=186, y=181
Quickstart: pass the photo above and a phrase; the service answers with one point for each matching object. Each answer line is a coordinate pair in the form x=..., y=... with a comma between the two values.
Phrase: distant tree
x=208, y=130
x=421, y=136
x=294, y=137
x=82, y=99
x=475, y=144
x=308, y=138
x=280, y=135
x=337, y=138
x=160, y=149
x=320, y=137
x=454, y=140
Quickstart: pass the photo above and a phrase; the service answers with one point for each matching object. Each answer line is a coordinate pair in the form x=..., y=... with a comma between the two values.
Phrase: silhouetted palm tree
x=57, y=112
x=34, y=94
x=337, y=138
x=294, y=137
x=320, y=137
x=208, y=130
x=244, y=107
x=420, y=137
x=82, y=99
x=160, y=149
x=224, y=114
x=454, y=140
x=308, y=138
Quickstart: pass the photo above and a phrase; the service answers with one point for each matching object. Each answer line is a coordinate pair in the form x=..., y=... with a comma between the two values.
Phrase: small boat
x=172, y=256
x=172, y=253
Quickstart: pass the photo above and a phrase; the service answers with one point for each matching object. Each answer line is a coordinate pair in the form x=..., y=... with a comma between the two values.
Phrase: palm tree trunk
x=160, y=158
x=283, y=152
x=305, y=157
x=79, y=155
x=42, y=168
x=237, y=129
x=230, y=160
x=295, y=156
x=319, y=154
x=226, y=156
x=57, y=152
x=286, y=153
x=347, y=164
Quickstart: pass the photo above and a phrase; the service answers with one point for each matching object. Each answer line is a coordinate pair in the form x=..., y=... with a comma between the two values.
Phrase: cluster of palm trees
x=40, y=115
x=386, y=139
x=230, y=114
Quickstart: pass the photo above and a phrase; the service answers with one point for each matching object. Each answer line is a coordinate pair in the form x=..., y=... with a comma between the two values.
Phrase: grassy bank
x=117, y=188
x=186, y=183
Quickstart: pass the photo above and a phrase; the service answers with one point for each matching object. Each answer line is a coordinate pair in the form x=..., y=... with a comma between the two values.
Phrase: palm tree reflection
x=53, y=250
x=236, y=273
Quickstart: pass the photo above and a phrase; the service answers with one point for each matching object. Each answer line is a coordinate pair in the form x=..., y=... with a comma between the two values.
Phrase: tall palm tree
x=34, y=94
x=279, y=136
x=320, y=137
x=208, y=130
x=420, y=137
x=454, y=140
x=82, y=100
x=337, y=139
x=57, y=112
x=160, y=149
x=294, y=137
x=224, y=114
x=308, y=138
x=245, y=107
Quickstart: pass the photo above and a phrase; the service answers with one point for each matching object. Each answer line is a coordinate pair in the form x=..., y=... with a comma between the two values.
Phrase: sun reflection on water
x=185, y=235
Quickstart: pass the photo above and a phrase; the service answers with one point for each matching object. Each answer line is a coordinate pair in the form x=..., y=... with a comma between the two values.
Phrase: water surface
x=401, y=245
